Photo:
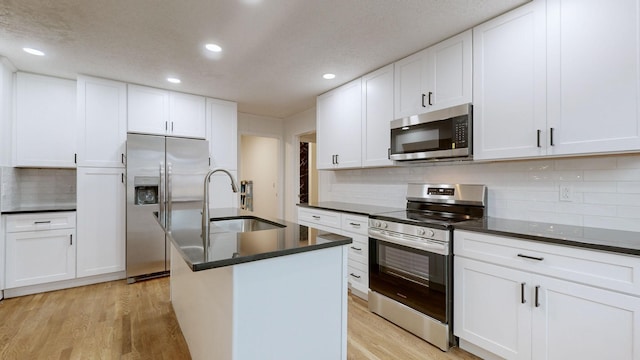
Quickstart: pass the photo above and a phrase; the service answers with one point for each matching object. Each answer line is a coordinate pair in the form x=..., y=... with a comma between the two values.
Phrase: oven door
x=414, y=277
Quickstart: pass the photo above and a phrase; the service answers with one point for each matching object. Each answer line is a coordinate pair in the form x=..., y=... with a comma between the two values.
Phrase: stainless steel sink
x=242, y=224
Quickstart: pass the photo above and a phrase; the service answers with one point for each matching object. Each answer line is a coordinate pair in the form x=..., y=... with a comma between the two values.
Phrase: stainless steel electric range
x=411, y=259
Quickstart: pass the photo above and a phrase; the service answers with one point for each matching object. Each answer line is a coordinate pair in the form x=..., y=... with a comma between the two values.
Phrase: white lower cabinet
x=38, y=254
x=514, y=312
x=350, y=225
x=101, y=221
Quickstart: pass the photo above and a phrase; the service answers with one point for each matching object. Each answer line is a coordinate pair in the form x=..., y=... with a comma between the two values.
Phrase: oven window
x=416, y=278
x=423, y=137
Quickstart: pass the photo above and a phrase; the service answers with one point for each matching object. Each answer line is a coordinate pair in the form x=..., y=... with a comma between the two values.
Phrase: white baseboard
x=477, y=351
x=59, y=285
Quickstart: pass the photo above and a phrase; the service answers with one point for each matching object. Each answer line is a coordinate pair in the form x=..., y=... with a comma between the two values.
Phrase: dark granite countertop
x=359, y=209
x=231, y=248
x=39, y=208
x=624, y=242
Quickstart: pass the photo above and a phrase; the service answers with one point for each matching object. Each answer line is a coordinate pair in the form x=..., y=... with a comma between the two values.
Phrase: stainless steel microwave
x=439, y=134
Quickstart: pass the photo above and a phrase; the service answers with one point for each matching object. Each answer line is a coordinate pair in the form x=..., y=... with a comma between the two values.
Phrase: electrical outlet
x=566, y=192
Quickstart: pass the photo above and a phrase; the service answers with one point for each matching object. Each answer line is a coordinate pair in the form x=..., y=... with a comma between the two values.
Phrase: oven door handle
x=437, y=247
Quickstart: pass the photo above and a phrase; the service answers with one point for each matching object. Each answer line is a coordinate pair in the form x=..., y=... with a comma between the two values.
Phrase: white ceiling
x=274, y=51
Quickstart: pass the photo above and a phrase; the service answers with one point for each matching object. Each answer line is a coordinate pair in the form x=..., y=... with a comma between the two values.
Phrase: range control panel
x=441, y=191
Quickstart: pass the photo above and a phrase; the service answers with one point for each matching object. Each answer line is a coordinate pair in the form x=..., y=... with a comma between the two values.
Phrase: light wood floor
x=118, y=321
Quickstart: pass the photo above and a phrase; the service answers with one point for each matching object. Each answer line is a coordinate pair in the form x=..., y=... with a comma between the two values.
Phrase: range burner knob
x=384, y=225
x=376, y=223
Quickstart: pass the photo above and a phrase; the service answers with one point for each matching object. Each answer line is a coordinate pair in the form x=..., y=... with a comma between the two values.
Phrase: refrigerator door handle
x=161, y=198
x=169, y=195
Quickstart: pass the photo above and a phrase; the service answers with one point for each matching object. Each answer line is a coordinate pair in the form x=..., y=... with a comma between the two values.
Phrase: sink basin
x=242, y=224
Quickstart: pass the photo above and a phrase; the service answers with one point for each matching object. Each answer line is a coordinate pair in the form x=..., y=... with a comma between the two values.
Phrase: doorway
x=259, y=166
x=308, y=191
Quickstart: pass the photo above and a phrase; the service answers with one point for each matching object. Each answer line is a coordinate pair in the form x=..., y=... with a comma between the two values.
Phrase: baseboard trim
x=59, y=285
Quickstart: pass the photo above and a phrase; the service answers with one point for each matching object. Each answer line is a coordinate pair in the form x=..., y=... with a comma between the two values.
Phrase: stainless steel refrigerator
x=163, y=174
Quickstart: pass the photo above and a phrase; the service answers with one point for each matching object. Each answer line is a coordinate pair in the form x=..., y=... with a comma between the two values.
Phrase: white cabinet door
x=187, y=115
x=448, y=72
x=220, y=193
x=148, y=110
x=409, y=80
x=37, y=257
x=45, y=128
x=102, y=122
x=101, y=221
x=509, y=80
x=222, y=122
x=492, y=307
x=594, y=75
x=339, y=127
x=435, y=78
x=573, y=321
x=377, y=113
x=7, y=96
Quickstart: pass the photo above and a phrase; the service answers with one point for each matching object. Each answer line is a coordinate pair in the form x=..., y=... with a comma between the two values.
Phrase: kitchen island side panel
x=288, y=307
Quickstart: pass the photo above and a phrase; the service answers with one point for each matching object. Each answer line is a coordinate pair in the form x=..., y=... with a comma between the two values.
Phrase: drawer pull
x=522, y=299
x=356, y=249
x=70, y=239
x=354, y=224
x=355, y=276
x=530, y=257
x=315, y=217
x=537, y=292
x=42, y=222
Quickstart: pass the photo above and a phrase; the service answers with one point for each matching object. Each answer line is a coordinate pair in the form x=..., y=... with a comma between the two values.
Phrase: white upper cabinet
x=377, y=113
x=102, y=122
x=148, y=110
x=547, y=84
x=509, y=81
x=187, y=115
x=162, y=112
x=339, y=127
x=435, y=78
x=45, y=127
x=222, y=122
x=594, y=76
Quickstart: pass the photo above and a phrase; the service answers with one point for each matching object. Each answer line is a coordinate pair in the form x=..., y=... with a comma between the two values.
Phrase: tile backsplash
x=604, y=191
x=24, y=187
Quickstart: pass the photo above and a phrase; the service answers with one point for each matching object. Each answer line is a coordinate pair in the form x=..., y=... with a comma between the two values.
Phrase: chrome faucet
x=206, y=223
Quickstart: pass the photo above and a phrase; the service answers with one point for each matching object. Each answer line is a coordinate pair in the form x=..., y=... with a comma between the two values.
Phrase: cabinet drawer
x=359, y=275
x=355, y=224
x=359, y=251
x=591, y=267
x=40, y=221
x=319, y=217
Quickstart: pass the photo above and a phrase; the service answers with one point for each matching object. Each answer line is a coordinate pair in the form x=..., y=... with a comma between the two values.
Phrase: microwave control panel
x=460, y=132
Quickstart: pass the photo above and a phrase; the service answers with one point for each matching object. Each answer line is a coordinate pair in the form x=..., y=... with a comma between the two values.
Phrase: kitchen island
x=253, y=293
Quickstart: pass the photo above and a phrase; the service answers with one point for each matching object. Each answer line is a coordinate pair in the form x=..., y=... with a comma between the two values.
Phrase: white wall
x=606, y=189
x=295, y=125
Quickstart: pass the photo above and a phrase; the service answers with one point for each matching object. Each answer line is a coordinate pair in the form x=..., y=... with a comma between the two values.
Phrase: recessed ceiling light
x=329, y=76
x=174, y=80
x=33, y=51
x=213, y=47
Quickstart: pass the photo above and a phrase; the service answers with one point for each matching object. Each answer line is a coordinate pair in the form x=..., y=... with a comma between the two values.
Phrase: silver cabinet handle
x=354, y=224
x=530, y=257
x=356, y=249
x=522, y=299
x=315, y=217
x=70, y=239
x=537, y=302
x=551, y=136
x=423, y=96
x=539, y=131
x=355, y=276
x=42, y=222
x=430, y=95
x=337, y=162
